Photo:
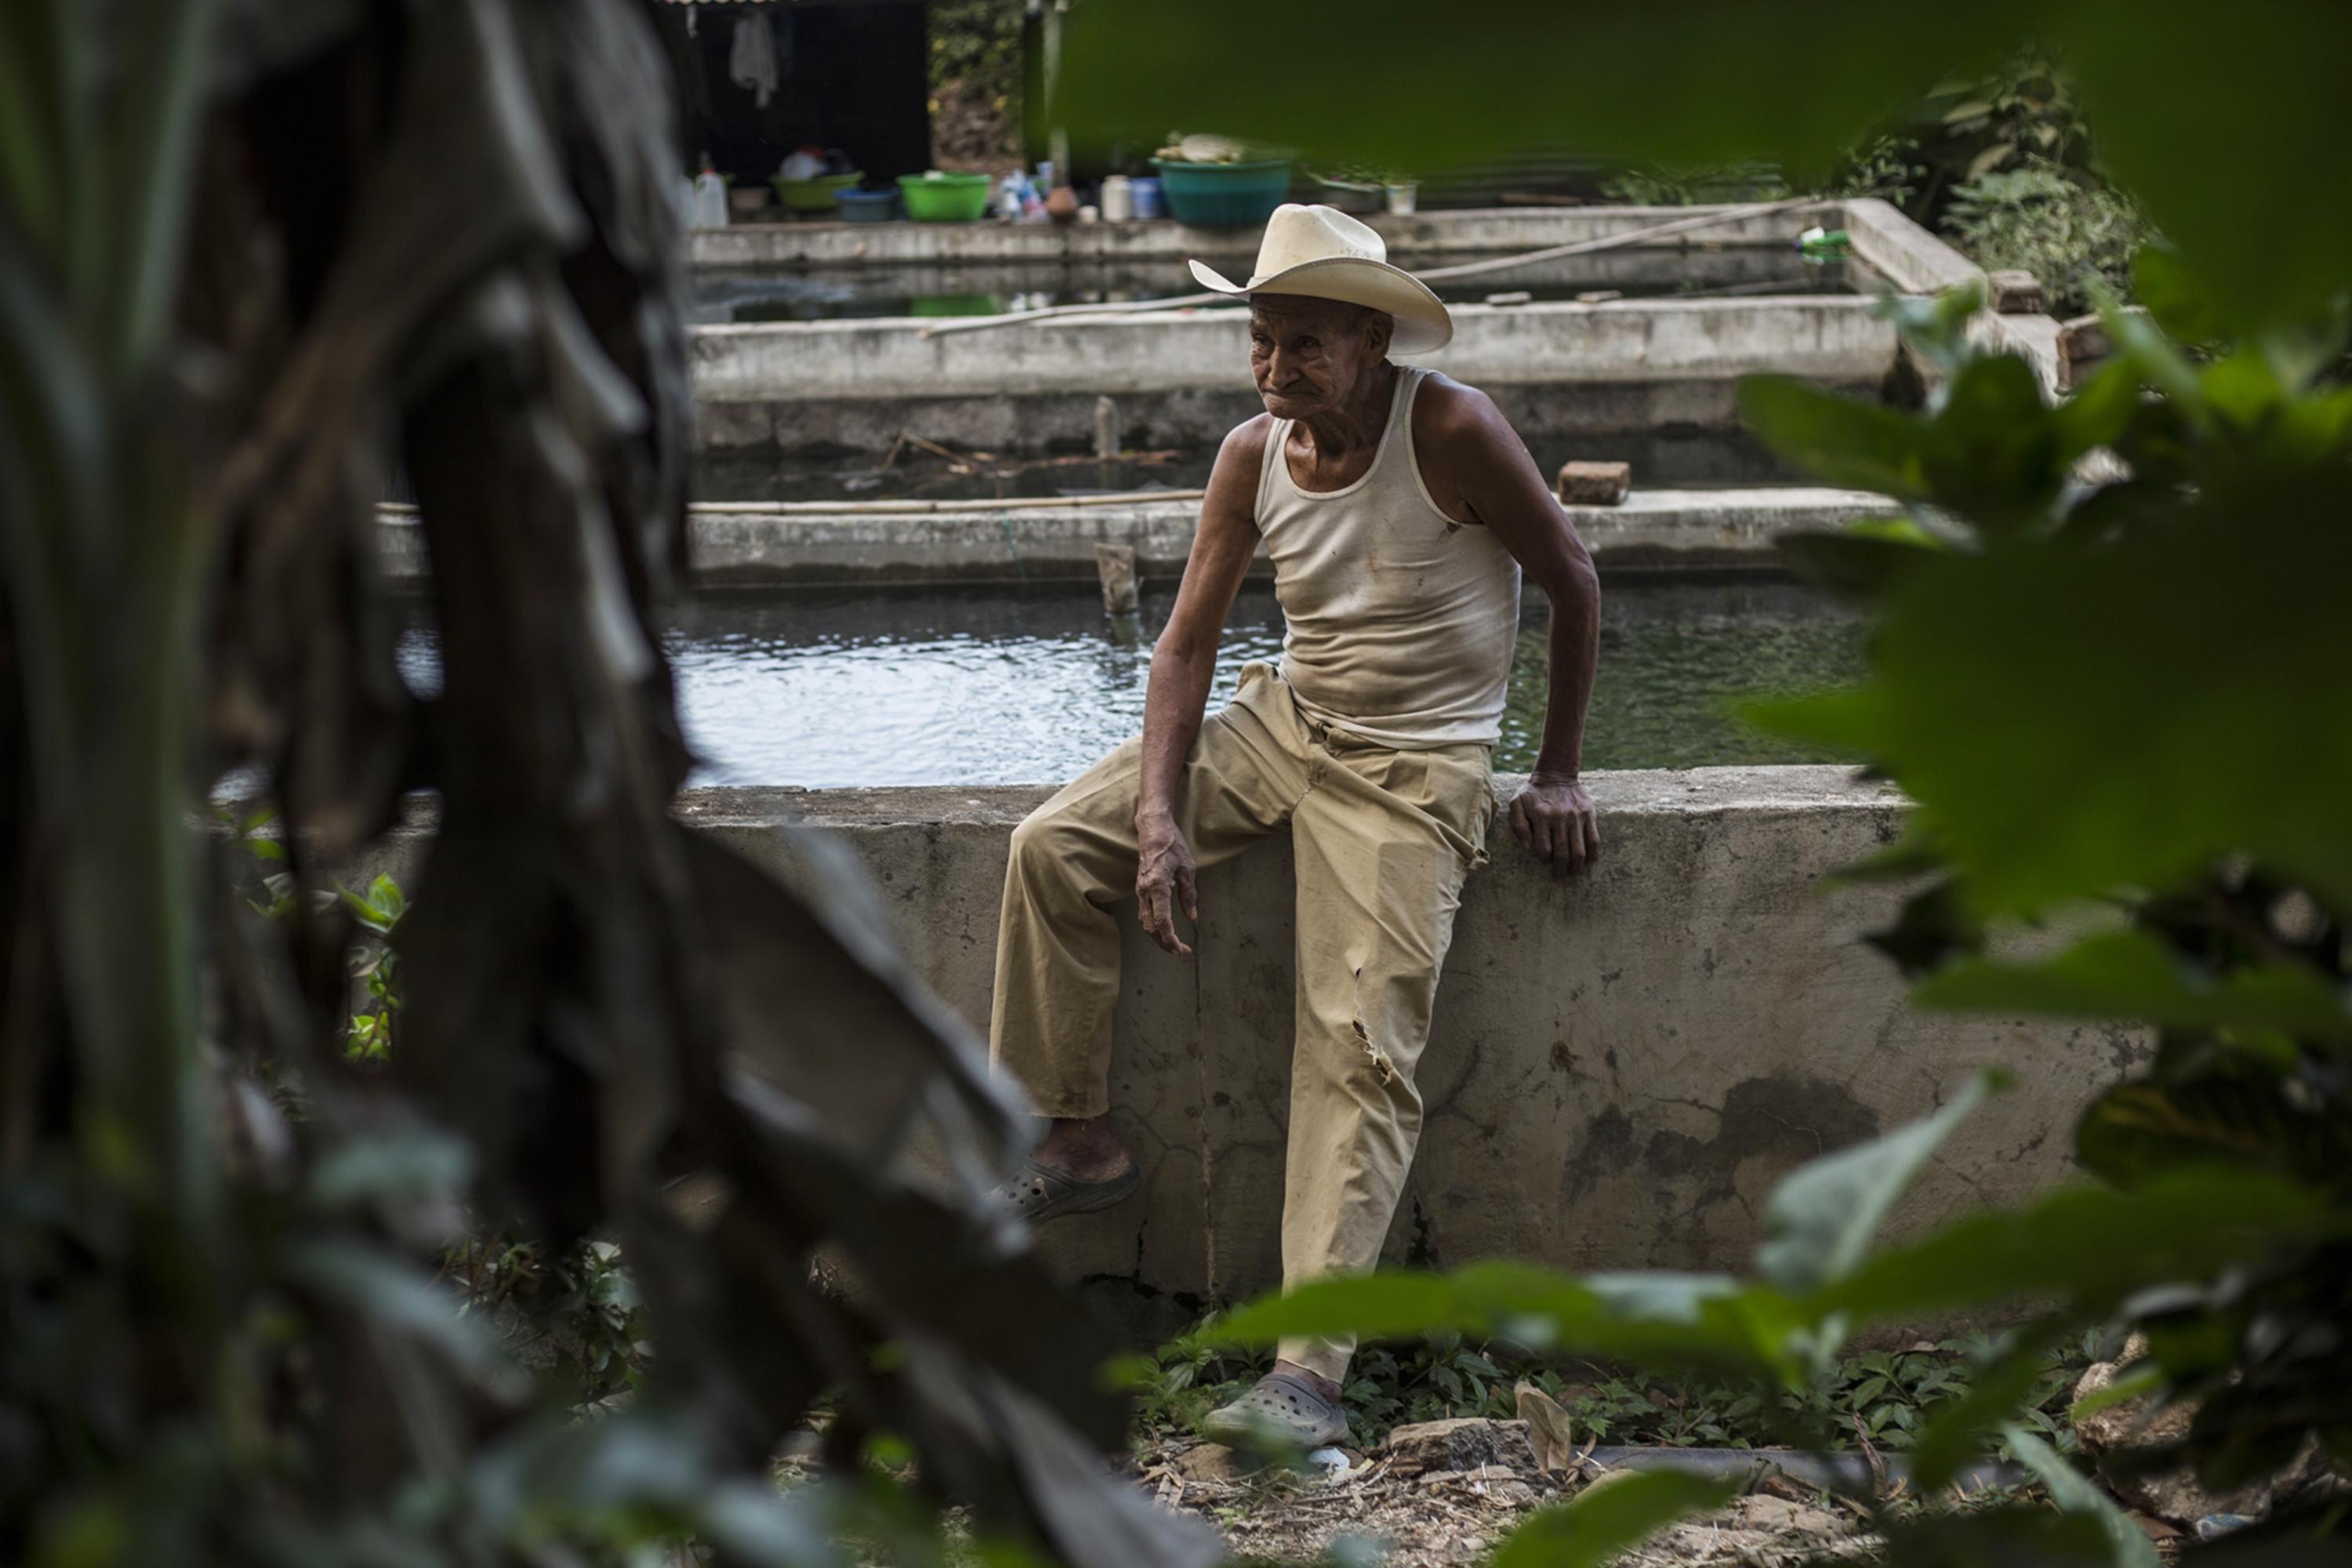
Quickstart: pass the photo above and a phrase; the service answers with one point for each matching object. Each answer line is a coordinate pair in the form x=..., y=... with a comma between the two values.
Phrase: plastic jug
x=1118, y=199
x=709, y=197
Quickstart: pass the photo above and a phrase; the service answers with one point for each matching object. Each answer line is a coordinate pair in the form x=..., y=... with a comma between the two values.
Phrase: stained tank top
x=1401, y=619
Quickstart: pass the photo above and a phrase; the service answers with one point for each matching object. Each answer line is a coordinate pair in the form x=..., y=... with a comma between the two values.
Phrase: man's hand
x=1554, y=818
x=1163, y=879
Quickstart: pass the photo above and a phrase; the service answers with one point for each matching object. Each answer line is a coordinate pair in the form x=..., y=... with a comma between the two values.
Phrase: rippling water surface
x=903, y=688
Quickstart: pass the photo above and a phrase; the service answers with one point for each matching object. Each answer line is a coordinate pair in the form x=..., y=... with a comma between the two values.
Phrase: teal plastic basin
x=1224, y=195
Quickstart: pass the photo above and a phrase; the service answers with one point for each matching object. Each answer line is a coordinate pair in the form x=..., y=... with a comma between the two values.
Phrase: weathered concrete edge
x=1555, y=342
x=1652, y=531
x=1918, y=262
x=1906, y=255
x=1616, y=792
x=1807, y=786
x=1452, y=232
x=1621, y=1067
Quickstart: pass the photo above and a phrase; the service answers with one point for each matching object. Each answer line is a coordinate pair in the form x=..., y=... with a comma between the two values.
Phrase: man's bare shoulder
x=1241, y=460
x=1245, y=442
x=1446, y=412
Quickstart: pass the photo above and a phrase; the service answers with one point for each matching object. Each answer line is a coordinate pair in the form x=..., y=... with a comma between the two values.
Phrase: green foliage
x=1885, y=1398
x=977, y=42
x=1880, y=166
x=371, y=962
x=2024, y=111
x=2080, y=1254
x=2183, y=786
x=2206, y=125
x=1425, y=1380
x=2000, y=162
x=1669, y=185
x=1626, y=1407
x=2057, y=225
x=1597, y=1525
x=1174, y=1387
x=2074, y=1492
x=582, y=1312
x=977, y=73
x=1883, y=168
x=375, y=964
x=2149, y=764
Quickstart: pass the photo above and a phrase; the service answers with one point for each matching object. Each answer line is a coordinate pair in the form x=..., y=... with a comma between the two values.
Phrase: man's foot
x=1079, y=1169
x=1289, y=1406
x=1084, y=1148
x=1040, y=1193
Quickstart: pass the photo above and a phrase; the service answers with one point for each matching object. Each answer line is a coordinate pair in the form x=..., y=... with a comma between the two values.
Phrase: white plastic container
x=710, y=200
x=1400, y=199
x=1118, y=199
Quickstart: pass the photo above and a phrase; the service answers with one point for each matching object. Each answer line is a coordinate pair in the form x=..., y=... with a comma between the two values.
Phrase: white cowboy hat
x=1323, y=252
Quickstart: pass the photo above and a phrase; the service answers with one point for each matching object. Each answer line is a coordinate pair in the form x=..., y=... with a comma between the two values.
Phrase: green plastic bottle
x=1824, y=245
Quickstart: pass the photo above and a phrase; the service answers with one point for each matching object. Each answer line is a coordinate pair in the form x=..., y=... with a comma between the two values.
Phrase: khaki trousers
x=1383, y=840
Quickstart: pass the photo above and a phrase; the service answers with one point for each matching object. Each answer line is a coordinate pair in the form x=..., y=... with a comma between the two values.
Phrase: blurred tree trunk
x=249, y=254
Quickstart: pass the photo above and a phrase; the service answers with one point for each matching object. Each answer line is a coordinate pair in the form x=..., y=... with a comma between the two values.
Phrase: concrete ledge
x=1917, y=262
x=718, y=292
x=1914, y=260
x=1674, y=432
x=1620, y=1068
x=1827, y=336
x=1179, y=378
x=1660, y=530
x=1454, y=233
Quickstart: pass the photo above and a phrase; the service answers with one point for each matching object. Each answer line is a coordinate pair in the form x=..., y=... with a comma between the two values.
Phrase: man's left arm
x=1487, y=470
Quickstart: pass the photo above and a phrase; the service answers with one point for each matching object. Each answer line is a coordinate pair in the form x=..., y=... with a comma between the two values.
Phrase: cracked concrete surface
x=1619, y=1070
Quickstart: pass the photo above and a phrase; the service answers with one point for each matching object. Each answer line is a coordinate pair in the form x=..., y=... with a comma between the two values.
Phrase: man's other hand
x=1554, y=817
x=1163, y=880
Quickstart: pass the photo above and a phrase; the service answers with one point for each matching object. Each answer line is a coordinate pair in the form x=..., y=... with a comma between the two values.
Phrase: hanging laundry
x=751, y=59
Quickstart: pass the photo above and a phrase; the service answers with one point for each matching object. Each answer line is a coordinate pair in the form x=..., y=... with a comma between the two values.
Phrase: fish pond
x=874, y=687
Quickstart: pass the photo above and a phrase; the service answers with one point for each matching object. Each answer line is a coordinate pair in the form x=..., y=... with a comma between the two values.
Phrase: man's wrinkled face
x=1306, y=354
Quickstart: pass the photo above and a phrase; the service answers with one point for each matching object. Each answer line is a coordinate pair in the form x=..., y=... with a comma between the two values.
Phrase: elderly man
x=1399, y=511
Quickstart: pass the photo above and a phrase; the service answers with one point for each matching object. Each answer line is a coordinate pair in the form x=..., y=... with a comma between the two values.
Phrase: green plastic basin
x=815, y=195
x=944, y=198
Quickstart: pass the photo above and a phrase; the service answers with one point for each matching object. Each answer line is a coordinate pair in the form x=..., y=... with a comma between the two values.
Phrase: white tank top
x=1402, y=619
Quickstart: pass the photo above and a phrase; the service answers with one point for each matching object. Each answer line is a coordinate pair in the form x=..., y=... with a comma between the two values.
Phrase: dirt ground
x=1380, y=1511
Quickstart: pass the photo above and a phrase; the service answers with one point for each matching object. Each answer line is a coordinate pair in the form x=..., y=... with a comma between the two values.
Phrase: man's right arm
x=1183, y=661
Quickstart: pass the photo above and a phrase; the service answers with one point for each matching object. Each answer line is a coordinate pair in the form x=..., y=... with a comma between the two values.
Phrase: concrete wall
x=1588, y=378
x=758, y=546
x=1917, y=262
x=1831, y=337
x=1446, y=234
x=1621, y=1067
x=1181, y=378
x=1752, y=268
